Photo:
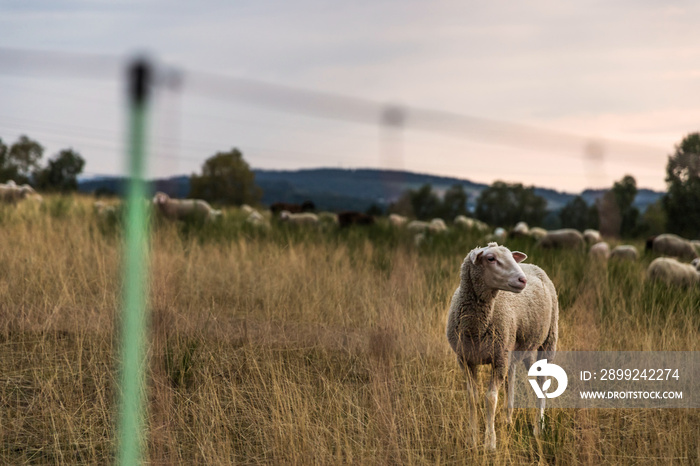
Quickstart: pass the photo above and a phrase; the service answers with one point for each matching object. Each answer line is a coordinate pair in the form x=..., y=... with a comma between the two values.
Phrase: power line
x=320, y=104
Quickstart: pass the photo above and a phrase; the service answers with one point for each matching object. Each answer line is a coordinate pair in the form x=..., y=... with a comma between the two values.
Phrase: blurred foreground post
x=131, y=412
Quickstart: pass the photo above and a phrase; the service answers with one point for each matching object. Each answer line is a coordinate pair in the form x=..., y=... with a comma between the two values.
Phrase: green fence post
x=131, y=406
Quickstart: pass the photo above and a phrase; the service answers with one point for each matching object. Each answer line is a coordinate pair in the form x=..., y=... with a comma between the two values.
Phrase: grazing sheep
x=183, y=209
x=566, y=238
x=10, y=193
x=520, y=229
x=303, y=218
x=306, y=206
x=345, y=219
x=599, y=251
x=672, y=245
x=696, y=264
x=592, y=236
x=257, y=220
x=437, y=225
x=500, y=307
x=417, y=226
x=500, y=233
x=396, y=220
x=247, y=209
x=537, y=233
x=104, y=210
x=672, y=272
x=624, y=252
x=696, y=245
x=328, y=218
x=468, y=223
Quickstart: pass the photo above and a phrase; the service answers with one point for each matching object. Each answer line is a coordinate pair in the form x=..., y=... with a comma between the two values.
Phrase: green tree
x=20, y=160
x=6, y=170
x=654, y=219
x=506, y=204
x=61, y=173
x=226, y=179
x=624, y=192
x=577, y=214
x=454, y=202
x=682, y=199
x=424, y=202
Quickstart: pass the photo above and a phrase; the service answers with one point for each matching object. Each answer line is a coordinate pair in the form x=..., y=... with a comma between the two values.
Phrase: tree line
x=21, y=163
x=227, y=179
x=614, y=213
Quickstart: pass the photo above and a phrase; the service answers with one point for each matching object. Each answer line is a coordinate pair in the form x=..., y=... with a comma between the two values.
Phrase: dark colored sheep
x=346, y=219
x=306, y=206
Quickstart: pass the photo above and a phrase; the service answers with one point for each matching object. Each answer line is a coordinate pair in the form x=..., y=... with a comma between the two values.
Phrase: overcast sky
x=626, y=71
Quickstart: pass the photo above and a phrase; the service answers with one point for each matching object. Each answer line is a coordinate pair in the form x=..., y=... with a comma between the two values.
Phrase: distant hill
x=644, y=197
x=350, y=189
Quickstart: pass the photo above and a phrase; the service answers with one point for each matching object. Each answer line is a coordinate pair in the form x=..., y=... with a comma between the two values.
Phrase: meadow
x=299, y=346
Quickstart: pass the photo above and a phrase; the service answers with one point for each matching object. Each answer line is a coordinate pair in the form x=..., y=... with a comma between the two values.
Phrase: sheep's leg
x=510, y=384
x=470, y=370
x=546, y=351
x=499, y=372
x=539, y=422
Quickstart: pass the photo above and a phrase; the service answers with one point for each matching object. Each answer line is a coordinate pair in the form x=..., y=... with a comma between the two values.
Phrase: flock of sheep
x=670, y=269
x=680, y=264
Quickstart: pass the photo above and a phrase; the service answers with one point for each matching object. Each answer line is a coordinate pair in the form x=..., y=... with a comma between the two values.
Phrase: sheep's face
x=160, y=198
x=696, y=264
x=500, y=269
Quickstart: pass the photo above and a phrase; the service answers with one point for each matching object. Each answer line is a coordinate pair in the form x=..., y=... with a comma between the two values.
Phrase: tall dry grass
x=289, y=346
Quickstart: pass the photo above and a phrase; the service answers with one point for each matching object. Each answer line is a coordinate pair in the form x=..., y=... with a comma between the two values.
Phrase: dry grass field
x=300, y=347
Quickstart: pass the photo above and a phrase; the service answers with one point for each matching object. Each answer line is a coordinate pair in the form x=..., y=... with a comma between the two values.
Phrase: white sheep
x=469, y=223
x=437, y=225
x=396, y=220
x=330, y=218
x=673, y=245
x=104, y=210
x=302, y=218
x=624, y=252
x=501, y=307
x=247, y=209
x=673, y=272
x=10, y=193
x=565, y=238
x=417, y=226
x=257, y=220
x=600, y=251
x=537, y=233
x=520, y=229
x=184, y=209
x=696, y=245
x=592, y=236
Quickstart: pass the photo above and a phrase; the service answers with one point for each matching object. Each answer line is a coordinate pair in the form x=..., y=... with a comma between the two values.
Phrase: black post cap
x=139, y=80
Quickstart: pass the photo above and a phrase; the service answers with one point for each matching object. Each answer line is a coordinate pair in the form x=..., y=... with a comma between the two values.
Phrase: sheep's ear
x=475, y=254
x=519, y=256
